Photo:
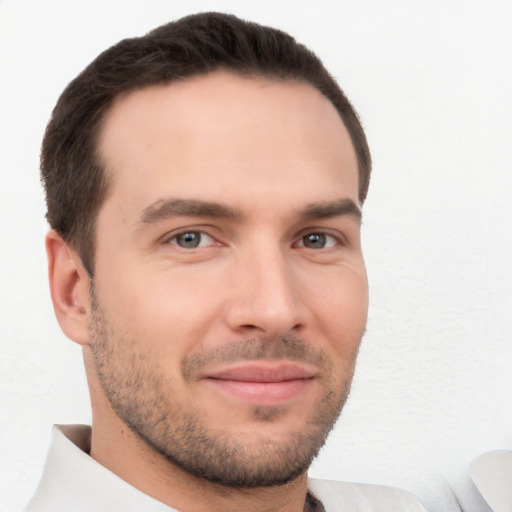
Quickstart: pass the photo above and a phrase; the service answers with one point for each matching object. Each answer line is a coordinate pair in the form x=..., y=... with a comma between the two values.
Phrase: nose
x=265, y=297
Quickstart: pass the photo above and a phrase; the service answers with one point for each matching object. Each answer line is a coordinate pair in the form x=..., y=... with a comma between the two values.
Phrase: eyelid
x=205, y=240
x=203, y=230
x=340, y=238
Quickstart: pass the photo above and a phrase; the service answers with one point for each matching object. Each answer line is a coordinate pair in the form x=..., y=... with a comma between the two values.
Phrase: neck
x=123, y=453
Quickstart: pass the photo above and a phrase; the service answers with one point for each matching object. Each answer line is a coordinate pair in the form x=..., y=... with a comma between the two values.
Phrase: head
x=212, y=269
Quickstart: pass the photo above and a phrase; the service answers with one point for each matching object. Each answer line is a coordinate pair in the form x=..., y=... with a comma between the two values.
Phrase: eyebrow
x=167, y=208
x=327, y=209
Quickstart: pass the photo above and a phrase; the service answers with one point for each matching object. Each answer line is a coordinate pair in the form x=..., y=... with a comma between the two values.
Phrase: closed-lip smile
x=262, y=383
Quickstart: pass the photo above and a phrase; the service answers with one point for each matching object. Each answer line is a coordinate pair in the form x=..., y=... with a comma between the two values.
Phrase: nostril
x=296, y=329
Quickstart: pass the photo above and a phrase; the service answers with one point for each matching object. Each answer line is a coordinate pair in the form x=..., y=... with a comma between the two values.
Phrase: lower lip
x=263, y=393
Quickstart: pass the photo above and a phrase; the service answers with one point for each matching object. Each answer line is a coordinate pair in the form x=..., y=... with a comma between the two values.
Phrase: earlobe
x=69, y=288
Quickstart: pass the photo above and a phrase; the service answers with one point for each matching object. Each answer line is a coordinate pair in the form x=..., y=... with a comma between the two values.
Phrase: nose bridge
x=266, y=292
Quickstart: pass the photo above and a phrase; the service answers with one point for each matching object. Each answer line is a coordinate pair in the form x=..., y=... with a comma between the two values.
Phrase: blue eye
x=317, y=241
x=191, y=240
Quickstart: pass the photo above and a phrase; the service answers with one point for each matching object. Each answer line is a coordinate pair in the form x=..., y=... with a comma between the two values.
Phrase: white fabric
x=73, y=481
x=492, y=475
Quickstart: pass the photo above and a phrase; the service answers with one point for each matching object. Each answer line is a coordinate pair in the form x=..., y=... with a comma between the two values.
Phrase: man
x=204, y=187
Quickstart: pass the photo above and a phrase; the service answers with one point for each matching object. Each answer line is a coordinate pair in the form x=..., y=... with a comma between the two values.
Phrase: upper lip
x=261, y=372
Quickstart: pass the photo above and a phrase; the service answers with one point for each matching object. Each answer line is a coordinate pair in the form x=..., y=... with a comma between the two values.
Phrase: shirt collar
x=72, y=480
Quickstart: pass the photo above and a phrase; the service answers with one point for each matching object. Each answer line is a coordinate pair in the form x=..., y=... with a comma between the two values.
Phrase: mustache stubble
x=291, y=348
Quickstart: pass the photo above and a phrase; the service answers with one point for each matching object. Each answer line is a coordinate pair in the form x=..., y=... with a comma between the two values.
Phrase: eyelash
x=176, y=236
x=336, y=240
x=318, y=235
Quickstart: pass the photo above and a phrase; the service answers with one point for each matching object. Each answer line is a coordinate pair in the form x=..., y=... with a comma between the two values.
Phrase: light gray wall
x=432, y=83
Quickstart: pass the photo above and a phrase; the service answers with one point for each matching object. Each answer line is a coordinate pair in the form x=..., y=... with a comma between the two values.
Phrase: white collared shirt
x=74, y=482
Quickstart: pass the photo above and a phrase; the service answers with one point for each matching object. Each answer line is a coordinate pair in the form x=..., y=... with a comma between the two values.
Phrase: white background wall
x=432, y=83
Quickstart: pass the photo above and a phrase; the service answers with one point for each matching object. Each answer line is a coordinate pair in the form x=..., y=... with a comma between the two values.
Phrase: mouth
x=263, y=384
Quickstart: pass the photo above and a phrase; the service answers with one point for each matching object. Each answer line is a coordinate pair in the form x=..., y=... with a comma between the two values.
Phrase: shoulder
x=363, y=497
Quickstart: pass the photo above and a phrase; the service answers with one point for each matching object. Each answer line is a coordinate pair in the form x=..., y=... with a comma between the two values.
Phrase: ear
x=69, y=288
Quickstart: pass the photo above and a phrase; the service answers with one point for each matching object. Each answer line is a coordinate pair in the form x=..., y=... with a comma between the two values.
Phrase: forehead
x=219, y=133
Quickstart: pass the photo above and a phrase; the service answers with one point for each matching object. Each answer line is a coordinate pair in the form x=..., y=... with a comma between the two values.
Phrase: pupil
x=189, y=240
x=314, y=240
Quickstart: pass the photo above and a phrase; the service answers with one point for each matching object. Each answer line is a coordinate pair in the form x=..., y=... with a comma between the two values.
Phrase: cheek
x=352, y=306
x=166, y=312
x=341, y=310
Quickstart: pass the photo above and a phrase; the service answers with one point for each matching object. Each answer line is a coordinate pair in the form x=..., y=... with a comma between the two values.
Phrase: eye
x=191, y=240
x=318, y=241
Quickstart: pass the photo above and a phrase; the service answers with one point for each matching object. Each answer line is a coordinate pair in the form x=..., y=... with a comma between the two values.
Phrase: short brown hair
x=75, y=181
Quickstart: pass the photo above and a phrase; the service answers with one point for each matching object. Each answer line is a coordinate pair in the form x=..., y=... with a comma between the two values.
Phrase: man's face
x=230, y=293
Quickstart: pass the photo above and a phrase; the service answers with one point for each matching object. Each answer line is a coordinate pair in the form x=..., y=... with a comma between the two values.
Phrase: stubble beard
x=142, y=399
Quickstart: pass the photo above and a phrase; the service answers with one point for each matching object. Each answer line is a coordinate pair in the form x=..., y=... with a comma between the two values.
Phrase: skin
x=279, y=161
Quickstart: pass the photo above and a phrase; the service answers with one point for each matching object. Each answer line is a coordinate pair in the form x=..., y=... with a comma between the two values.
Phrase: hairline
x=107, y=171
